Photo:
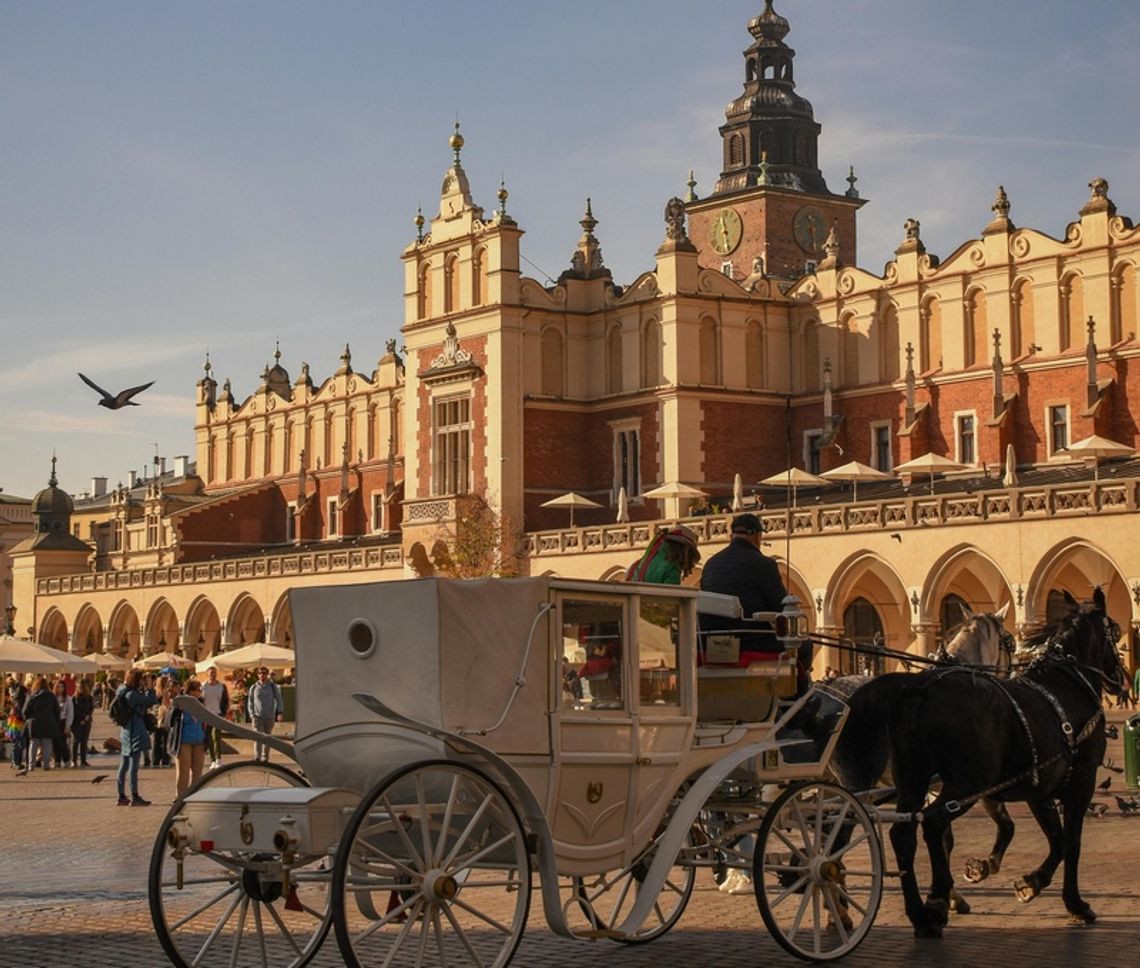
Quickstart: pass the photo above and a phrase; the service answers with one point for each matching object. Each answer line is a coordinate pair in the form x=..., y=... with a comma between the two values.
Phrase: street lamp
x=10, y=614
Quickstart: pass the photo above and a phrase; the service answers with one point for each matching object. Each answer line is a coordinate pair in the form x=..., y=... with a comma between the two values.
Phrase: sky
x=218, y=176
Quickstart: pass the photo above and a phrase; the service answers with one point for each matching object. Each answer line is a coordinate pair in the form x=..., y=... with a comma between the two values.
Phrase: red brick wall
x=239, y=525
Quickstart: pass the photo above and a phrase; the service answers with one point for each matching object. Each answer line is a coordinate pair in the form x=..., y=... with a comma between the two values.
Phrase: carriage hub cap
x=440, y=885
x=824, y=870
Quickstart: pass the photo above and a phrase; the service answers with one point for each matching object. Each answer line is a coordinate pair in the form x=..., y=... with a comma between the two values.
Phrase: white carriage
x=454, y=738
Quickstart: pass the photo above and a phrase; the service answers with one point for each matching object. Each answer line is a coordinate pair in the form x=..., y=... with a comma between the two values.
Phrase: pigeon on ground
x=99, y=779
x=1098, y=809
x=121, y=399
x=1111, y=732
x=1127, y=806
x=1105, y=785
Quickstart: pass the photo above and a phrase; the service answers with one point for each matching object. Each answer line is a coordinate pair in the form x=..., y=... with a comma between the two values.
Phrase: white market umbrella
x=930, y=464
x=855, y=472
x=570, y=500
x=675, y=490
x=1009, y=479
x=20, y=655
x=623, y=506
x=255, y=654
x=108, y=660
x=1098, y=447
x=737, y=493
x=793, y=478
x=163, y=660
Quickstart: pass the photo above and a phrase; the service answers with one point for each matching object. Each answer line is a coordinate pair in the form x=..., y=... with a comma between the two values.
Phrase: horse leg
x=935, y=830
x=958, y=904
x=904, y=840
x=1028, y=886
x=1075, y=805
x=979, y=868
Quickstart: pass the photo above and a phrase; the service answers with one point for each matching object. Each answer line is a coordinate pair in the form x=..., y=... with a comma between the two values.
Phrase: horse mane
x=1053, y=638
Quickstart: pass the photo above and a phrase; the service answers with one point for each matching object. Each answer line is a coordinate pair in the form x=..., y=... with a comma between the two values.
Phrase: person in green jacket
x=669, y=559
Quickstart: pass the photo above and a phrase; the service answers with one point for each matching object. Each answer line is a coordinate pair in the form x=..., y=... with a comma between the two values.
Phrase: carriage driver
x=743, y=570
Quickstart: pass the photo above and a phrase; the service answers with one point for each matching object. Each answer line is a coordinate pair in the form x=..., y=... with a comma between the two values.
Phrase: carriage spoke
x=438, y=925
x=260, y=933
x=202, y=907
x=387, y=858
x=794, y=928
x=445, y=824
x=405, y=931
x=837, y=826
x=243, y=913
x=796, y=851
x=851, y=902
x=852, y=845
x=213, y=935
x=833, y=913
x=285, y=932
x=458, y=929
x=472, y=859
x=817, y=917
x=449, y=861
x=425, y=833
x=801, y=823
x=788, y=892
x=399, y=827
x=460, y=903
x=391, y=917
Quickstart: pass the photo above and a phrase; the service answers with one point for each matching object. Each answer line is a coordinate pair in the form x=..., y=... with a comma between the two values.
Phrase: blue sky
x=178, y=177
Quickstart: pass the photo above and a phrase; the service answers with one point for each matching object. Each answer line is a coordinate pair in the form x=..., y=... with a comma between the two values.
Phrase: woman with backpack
x=128, y=710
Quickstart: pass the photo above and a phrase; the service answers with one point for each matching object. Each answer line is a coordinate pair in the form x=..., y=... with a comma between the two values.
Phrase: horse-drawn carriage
x=444, y=756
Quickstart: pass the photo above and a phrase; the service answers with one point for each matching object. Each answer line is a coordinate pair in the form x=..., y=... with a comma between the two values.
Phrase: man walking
x=265, y=707
x=216, y=699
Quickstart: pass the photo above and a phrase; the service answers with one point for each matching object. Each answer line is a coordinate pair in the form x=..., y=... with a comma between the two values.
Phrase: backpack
x=120, y=711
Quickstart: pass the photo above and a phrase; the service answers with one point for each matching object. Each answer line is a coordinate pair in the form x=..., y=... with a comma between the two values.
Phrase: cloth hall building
x=752, y=340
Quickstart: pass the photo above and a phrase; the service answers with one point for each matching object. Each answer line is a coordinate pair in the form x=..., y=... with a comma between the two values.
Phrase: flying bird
x=896, y=536
x=100, y=778
x=120, y=399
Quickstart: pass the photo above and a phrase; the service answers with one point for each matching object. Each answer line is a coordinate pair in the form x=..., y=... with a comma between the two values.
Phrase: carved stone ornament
x=1000, y=207
x=675, y=220
x=910, y=230
x=390, y=347
x=453, y=354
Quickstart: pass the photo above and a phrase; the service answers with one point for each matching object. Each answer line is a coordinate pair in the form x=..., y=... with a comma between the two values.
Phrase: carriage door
x=594, y=738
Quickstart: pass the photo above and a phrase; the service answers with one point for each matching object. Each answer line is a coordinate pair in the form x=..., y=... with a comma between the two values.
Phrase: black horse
x=1038, y=738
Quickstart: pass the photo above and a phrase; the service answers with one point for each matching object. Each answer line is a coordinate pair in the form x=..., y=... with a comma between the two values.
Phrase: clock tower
x=771, y=204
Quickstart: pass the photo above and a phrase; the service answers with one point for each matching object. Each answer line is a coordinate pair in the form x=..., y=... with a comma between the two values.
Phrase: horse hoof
x=1026, y=892
x=958, y=904
x=936, y=913
x=928, y=931
x=1088, y=916
x=977, y=869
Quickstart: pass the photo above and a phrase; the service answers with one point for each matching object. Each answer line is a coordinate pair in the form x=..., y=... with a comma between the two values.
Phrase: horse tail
x=864, y=748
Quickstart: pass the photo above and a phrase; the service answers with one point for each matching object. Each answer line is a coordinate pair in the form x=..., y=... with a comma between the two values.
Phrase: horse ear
x=1001, y=613
x=967, y=614
x=1099, y=599
x=1070, y=601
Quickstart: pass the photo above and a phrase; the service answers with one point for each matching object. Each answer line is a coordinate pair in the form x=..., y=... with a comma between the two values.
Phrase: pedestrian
x=167, y=690
x=265, y=707
x=134, y=738
x=151, y=693
x=187, y=742
x=84, y=711
x=60, y=745
x=669, y=559
x=16, y=729
x=41, y=713
x=216, y=699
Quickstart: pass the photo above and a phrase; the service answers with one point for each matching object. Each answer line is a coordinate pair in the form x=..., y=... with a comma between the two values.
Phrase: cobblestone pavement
x=73, y=870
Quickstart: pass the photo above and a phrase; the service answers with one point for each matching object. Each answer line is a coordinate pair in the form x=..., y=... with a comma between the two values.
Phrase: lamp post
x=10, y=615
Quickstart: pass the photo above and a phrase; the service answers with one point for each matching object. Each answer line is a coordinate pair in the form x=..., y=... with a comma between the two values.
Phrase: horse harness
x=1073, y=739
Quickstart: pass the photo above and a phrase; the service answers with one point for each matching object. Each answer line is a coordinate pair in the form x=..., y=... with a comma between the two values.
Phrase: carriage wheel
x=818, y=871
x=249, y=774
x=232, y=907
x=606, y=900
x=432, y=868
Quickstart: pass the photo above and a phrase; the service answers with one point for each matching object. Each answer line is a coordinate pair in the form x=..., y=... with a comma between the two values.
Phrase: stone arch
x=709, y=352
x=1125, y=310
x=124, y=627
x=553, y=362
x=615, y=573
x=161, y=632
x=53, y=630
x=652, y=371
x=1024, y=329
x=203, y=627
x=930, y=335
x=867, y=575
x=973, y=576
x=245, y=623
x=87, y=631
x=614, y=376
x=888, y=342
x=1077, y=566
x=479, y=276
x=975, y=336
x=797, y=584
x=1072, y=315
x=281, y=623
x=423, y=292
x=451, y=283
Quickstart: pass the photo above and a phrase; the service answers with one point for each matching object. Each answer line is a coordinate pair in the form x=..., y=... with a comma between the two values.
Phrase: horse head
x=982, y=640
x=1089, y=636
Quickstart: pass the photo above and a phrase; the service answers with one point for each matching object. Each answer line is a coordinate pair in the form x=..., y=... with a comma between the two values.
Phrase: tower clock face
x=725, y=231
x=810, y=228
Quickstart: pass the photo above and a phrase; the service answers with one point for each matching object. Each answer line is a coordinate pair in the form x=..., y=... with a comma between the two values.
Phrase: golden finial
x=502, y=195
x=456, y=141
x=418, y=221
x=277, y=352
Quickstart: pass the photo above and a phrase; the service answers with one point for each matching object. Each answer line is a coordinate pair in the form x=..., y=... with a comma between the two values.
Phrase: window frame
x=443, y=482
x=1053, y=451
x=811, y=454
x=972, y=416
x=876, y=426
x=626, y=429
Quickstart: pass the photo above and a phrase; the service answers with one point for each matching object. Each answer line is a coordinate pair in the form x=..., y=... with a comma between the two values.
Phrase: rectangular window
x=152, y=532
x=726, y=269
x=658, y=628
x=332, y=530
x=290, y=522
x=967, y=451
x=1058, y=428
x=451, y=465
x=881, y=457
x=592, y=654
x=809, y=267
x=377, y=511
x=627, y=462
x=811, y=450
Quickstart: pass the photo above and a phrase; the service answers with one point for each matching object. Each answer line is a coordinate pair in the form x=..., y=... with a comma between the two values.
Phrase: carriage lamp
x=178, y=837
x=285, y=840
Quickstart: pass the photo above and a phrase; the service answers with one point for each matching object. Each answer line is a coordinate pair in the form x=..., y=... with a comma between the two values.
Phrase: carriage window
x=592, y=639
x=658, y=628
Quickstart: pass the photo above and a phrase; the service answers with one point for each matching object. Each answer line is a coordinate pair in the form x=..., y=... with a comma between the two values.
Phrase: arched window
x=1055, y=607
x=735, y=150
x=889, y=344
x=710, y=352
x=1024, y=326
x=976, y=337
x=930, y=338
x=750, y=69
x=863, y=626
x=451, y=284
x=287, y=447
x=350, y=434
x=231, y=468
x=552, y=363
x=479, y=277
x=754, y=375
x=330, y=432
x=1124, y=310
x=849, y=333
x=268, y=467
x=1072, y=312
x=423, y=292
x=950, y=613
x=651, y=369
x=212, y=460
x=395, y=431
x=613, y=360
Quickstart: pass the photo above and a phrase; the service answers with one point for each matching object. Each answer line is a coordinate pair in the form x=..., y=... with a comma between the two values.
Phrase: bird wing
x=95, y=386
x=124, y=395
